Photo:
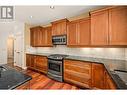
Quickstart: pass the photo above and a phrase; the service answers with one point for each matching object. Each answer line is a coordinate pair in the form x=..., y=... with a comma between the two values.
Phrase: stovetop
x=57, y=56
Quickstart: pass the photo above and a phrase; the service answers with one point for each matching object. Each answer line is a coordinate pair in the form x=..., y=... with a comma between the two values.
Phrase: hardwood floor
x=42, y=82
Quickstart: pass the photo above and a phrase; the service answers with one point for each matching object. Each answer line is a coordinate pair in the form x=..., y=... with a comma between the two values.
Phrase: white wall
x=110, y=53
x=7, y=29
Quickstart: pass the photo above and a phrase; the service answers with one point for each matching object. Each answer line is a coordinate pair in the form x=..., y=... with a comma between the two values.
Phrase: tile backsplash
x=126, y=54
x=110, y=53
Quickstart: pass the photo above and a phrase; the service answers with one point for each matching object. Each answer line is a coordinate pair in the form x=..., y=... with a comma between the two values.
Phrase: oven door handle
x=53, y=74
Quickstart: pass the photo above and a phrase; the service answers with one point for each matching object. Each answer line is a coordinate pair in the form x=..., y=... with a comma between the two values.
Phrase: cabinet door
x=78, y=73
x=28, y=60
x=72, y=34
x=118, y=26
x=109, y=83
x=59, y=27
x=97, y=76
x=99, y=28
x=36, y=36
x=63, y=28
x=84, y=32
x=41, y=64
x=32, y=37
x=48, y=36
x=33, y=61
x=54, y=29
x=41, y=37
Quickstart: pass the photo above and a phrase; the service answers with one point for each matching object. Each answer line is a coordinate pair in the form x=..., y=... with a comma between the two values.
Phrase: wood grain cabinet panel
x=118, y=26
x=84, y=32
x=30, y=61
x=108, y=82
x=72, y=34
x=35, y=62
x=78, y=73
x=59, y=27
x=41, y=37
x=47, y=36
x=41, y=64
x=78, y=32
x=36, y=36
x=99, y=27
x=97, y=76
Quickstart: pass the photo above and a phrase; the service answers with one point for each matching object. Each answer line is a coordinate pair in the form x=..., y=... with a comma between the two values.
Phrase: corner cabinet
x=78, y=32
x=78, y=73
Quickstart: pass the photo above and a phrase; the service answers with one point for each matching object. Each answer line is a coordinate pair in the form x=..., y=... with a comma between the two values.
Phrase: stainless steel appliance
x=55, y=66
x=59, y=40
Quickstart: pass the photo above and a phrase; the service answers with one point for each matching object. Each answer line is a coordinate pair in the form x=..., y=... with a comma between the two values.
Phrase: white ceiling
x=44, y=14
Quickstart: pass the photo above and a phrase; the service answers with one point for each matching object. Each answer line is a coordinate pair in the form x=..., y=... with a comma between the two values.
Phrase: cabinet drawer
x=77, y=78
x=79, y=69
x=78, y=63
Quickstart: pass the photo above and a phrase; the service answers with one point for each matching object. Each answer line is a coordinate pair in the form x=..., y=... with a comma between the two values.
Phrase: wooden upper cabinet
x=78, y=32
x=72, y=34
x=59, y=27
x=118, y=26
x=40, y=36
x=48, y=36
x=97, y=76
x=36, y=36
x=99, y=27
x=84, y=32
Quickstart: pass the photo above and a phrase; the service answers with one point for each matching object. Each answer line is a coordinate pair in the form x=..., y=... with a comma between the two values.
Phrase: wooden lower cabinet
x=41, y=64
x=30, y=61
x=97, y=76
x=87, y=75
x=78, y=73
x=38, y=63
x=108, y=82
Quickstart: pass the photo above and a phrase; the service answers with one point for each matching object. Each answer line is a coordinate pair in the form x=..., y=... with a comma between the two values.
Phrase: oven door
x=55, y=67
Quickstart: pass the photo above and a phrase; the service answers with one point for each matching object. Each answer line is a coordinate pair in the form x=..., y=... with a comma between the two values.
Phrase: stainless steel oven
x=55, y=67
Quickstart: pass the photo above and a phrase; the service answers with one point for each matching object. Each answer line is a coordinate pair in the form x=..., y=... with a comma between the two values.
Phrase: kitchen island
x=11, y=78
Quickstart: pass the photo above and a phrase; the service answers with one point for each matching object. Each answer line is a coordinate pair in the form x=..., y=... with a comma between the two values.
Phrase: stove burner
x=57, y=56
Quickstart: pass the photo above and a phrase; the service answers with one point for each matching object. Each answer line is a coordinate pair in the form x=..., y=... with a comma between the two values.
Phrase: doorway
x=18, y=51
x=10, y=51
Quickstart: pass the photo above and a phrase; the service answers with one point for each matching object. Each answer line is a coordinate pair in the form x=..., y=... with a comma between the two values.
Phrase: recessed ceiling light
x=31, y=16
x=52, y=7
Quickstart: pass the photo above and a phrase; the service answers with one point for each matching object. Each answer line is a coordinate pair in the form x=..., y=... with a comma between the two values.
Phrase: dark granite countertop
x=41, y=54
x=111, y=65
x=10, y=78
